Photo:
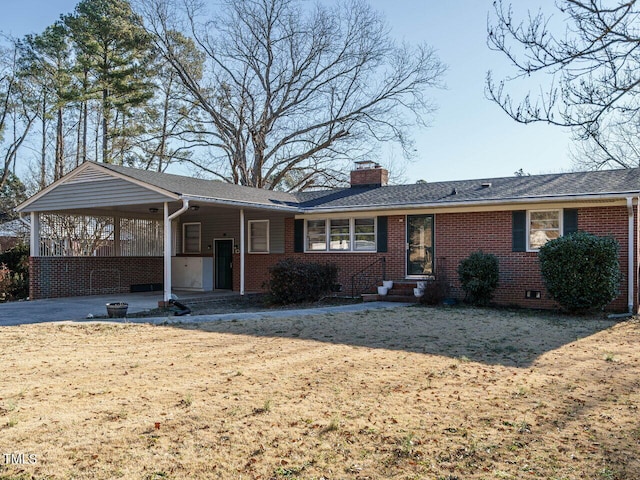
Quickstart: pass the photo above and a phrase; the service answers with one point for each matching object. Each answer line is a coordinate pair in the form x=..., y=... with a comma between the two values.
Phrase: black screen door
x=223, y=264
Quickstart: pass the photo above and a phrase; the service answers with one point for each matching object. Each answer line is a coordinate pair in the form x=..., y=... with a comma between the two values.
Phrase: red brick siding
x=519, y=271
x=456, y=236
x=52, y=277
x=257, y=266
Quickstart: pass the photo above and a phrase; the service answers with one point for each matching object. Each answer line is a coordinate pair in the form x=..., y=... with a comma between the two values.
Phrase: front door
x=419, y=245
x=223, y=260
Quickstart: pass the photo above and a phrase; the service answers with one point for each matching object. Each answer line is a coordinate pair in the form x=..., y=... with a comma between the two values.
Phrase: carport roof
x=203, y=188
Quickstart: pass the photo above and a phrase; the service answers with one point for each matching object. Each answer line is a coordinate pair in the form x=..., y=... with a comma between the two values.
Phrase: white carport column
x=34, y=243
x=167, y=254
x=242, y=244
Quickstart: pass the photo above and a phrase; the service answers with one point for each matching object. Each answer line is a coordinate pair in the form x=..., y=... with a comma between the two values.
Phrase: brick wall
x=519, y=271
x=257, y=266
x=456, y=236
x=52, y=277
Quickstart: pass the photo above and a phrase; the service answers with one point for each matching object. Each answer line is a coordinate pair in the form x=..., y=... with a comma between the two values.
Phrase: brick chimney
x=369, y=174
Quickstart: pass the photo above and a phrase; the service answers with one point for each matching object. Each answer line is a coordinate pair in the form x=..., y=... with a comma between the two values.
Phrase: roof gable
x=91, y=185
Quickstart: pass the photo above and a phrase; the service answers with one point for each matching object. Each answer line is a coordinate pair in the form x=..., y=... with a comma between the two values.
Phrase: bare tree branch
x=292, y=92
x=587, y=58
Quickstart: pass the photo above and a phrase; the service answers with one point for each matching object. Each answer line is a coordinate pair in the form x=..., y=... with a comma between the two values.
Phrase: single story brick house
x=111, y=229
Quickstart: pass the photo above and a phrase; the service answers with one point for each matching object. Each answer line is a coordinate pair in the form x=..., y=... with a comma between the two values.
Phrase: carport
x=105, y=229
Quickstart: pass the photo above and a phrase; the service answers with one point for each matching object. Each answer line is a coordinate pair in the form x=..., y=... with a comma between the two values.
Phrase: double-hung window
x=339, y=236
x=258, y=236
x=316, y=235
x=191, y=238
x=532, y=229
x=364, y=235
x=544, y=225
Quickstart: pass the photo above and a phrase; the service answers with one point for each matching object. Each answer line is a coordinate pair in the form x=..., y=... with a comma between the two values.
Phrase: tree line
x=276, y=94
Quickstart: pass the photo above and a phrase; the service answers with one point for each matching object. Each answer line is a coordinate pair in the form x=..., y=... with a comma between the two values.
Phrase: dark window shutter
x=519, y=230
x=570, y=221
x=382, y=234
x=298, y=235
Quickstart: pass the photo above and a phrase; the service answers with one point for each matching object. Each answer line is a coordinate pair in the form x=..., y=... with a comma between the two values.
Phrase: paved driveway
x=74, y=308
x=79, y=308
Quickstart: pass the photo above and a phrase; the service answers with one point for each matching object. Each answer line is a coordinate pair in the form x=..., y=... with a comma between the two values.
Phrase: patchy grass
x=410, y=393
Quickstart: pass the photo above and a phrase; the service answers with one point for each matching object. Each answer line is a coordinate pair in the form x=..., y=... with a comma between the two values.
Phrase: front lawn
x=409, y=393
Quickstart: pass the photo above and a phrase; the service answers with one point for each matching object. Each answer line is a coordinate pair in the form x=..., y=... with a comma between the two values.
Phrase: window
x=544, y=225
x=316, y=235
x=341, y=234
x=339, y=237
x=190, y=238
x=259, y=236
x=364, y=235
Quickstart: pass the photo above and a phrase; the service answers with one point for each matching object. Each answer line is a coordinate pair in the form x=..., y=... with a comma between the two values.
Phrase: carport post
x=34, y=245
x=167, y=254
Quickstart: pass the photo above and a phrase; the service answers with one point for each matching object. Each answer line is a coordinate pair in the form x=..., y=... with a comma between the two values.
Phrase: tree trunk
x=59, y=164
x=43, y=146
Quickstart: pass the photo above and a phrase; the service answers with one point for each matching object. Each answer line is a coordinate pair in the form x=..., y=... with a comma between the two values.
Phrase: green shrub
x=478, y=275
x=434, y=292
x=294, y=282
x=581, y=271
x=16, y=273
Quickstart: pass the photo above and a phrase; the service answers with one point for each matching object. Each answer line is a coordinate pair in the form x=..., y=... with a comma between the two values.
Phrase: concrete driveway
x=73, y=308
x=79, y=308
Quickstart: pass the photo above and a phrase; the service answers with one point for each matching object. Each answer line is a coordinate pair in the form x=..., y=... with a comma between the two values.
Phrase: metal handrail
x=367, y=274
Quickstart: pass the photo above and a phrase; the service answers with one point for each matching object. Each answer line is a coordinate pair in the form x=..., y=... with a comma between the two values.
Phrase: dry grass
x=415, y=393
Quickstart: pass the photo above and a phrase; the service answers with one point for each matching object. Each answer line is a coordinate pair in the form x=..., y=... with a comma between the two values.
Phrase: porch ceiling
x=155, y=210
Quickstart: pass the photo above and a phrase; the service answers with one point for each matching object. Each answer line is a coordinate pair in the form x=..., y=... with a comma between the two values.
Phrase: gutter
x=167, y=245
x=464, y=203
x=24, y=220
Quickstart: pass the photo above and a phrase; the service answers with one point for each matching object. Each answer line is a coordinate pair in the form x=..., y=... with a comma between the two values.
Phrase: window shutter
x=570, y=221
x=519, y=230
x=298, y=235
x=382, y=234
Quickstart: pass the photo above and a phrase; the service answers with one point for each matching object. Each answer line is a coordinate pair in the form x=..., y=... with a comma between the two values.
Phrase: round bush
x=479, y=275
x=292, y=281
x=581, y=271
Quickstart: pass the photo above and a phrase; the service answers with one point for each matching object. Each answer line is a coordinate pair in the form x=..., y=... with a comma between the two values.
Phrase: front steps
x=402, y=291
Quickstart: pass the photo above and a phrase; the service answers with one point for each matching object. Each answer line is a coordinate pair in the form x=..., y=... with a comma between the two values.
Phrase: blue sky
x=470, y=137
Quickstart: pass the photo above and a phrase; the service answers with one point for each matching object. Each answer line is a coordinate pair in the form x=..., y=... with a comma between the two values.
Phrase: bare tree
x=16, y=112
x=587, y=60
x=290, y=92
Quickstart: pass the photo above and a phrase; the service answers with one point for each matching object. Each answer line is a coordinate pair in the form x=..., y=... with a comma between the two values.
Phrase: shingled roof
x=212, y=189
x=560, y=186
x=552, y=187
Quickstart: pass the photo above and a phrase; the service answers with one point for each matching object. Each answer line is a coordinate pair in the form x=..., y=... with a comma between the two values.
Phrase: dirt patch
x=409, y=393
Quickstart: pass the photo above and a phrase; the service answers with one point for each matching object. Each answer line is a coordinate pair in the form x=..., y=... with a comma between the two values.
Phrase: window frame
x=560, y=229
x=250, y=249
x=184, y=236
x=352, y=235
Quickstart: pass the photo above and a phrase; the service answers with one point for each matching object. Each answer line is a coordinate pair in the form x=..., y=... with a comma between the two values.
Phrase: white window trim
x=352, y=235
x=184, y=234
x=249, y=249
x=560, y=224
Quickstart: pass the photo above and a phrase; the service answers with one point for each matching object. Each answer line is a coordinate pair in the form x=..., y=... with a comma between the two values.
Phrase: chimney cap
x=366, y=164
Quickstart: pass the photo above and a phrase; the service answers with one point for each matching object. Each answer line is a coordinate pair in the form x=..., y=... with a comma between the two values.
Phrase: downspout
x=242, y=243
x=631, y=259
x=167, y=245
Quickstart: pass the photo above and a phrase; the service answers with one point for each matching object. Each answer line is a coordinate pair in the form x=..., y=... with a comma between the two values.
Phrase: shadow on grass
x=501, y=337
